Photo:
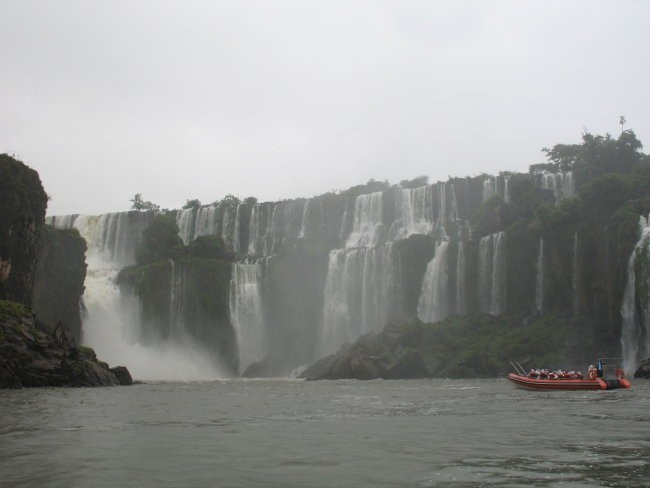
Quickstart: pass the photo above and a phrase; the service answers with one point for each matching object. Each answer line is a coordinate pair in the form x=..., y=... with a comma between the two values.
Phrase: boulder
x=643, y=371
x=122, y=374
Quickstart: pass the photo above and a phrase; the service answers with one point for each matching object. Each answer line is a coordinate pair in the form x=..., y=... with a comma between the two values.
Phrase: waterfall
x=176, y=309
x=489, y=188
x=368, y=217
x=111, y=322
x=360, y=294
x=561, y=184
x=492, y=274
x=636, y=317
x=461, y=301
x=539, y=278
x=246, y=313
x=433, y=304
x=413, y=211
x=185, y=223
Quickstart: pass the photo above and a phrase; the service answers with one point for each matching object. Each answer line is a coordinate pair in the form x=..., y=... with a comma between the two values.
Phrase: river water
x=291, y=433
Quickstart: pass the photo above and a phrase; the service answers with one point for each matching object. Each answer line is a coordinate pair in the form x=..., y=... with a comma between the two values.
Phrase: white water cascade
x=112, y=320
x=360, y=294
x=636, y=316
x=561, y=184
x=461, y=300
x=433, y=304
x=246, y=313
x=492, y=274
x=414, y=210
x=368, y=217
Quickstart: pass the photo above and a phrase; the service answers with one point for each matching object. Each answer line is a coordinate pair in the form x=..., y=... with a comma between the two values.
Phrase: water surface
x=279, y=433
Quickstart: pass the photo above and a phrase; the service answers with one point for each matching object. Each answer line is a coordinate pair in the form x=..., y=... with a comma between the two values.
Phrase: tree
x=196, y=203
x=160, y=240
x=229, y=200
x=138, y=203
x=622, y=121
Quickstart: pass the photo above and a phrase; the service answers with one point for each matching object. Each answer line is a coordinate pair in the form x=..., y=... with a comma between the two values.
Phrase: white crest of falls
x=207, y=220
x=433, y=304
x=561, y=184
x=273, y=224
x=246, y=313
x=414, y=208
x=368, y=218
x=492, y=274
x=636, y=316
x=360, y=294
x=496, y=185
x=461, y=301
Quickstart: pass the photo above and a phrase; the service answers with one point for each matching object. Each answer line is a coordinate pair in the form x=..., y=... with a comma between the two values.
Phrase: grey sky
x=283, y=99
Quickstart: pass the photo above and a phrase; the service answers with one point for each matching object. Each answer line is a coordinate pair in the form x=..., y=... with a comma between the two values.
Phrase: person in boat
x=533, y=373
x=592, y=373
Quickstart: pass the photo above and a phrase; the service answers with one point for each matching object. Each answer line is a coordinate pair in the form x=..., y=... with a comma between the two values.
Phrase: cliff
x=47, y=265
x=59, y=279
x=22, y=211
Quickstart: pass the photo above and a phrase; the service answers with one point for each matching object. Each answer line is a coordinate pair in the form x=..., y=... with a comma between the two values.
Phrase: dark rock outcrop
x=370, y=358
x=33, y=355
x=122, y=374
x=59, y=279
x=643, y=371
x=22, y=211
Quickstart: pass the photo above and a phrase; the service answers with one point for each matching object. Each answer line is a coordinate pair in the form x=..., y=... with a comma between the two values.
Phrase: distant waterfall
x=112, y=320
x=492, y=274
x=185, y=223
x=246, y=313
x=496, y=185
x=176, y=309
x=414, y=211
x=539, y=278
x=489, y=188
x=433, y=304
x=360, y=294
x=368, y=217
x=635, y=330
x=561, y=184
x=461, y=301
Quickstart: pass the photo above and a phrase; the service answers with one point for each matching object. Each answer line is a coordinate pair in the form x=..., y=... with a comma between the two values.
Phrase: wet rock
x=122, y=374
x=643, y=371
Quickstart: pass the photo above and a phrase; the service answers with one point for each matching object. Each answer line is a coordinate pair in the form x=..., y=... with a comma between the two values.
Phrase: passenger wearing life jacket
x=592, y=373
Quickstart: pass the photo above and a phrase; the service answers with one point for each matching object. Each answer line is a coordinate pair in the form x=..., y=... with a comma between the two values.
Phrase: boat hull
x=561, y=384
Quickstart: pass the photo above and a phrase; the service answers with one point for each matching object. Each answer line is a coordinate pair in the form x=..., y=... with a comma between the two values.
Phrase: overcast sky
x=282, y=99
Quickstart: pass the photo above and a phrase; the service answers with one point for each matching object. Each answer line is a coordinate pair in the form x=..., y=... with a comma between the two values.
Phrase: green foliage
x=415, y=182
x=160, y=240
x=13, y=310
x=605, y=194
x=228, y=201
x=208, y=247
x=196, y=203
x=597, y=155
x=138, y=203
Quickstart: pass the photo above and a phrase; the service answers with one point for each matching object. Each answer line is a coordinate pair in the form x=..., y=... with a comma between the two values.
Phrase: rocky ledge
x=33, y=355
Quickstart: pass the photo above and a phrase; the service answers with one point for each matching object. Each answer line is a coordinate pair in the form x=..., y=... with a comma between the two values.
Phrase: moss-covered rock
x=459, y=347
x=34, y=355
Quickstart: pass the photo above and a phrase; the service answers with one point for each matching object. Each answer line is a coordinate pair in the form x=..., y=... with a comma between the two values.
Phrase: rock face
x=643, y=370
x=372, y=357
x=59, y=279
x=33, y=355
x=22, y=211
